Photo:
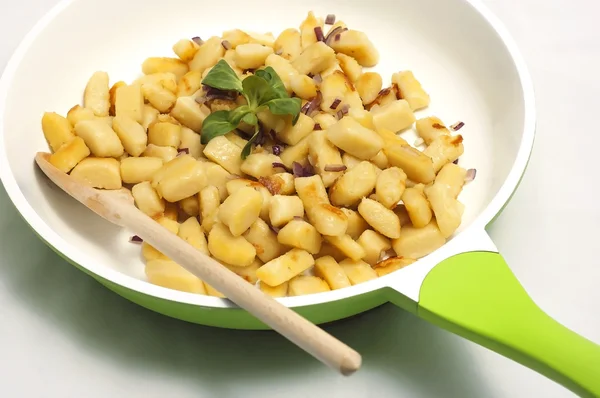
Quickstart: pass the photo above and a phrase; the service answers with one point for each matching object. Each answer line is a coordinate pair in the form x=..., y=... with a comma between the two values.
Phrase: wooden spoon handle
x=288, y=323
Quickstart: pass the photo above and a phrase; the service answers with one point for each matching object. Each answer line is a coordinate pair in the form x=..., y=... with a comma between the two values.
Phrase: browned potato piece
x=347, y=246
x=350, y=66
x=234, y=250
x=390, y=187
x=131, y=133
x=264, y=241
x=135, y=170
x=189, y=113
x=241, y=209
x=100, y=138
x=159, y=97
x=329, y=269
x=191, y=141
x=353, y=138
x=392, y=264
x=417, y=166
x=323, y=153
x=166, y=153
x=283, y=209
x=274, y=291
x=368, y=86
x=314, y=59
x=218, y=177
x=189, y=83
x=295, y=153
x=327, y=219
x=225, y=153
x=169, y=274
x=147, y=200
x=373, y=244
x=166, y=80
x=303, y=284
x=288, y=44
x=98, y=173
x=358, y=271
x=191, y=232
x=357, y=45
x=279, y=184
x=410, y=89
x=430, y=128
x=190, y=205
x=247, y=273
x=260, y=164
x=356, y=224
x=129, y=102
x=395, y=116
x=444, y=149
x=185, y=49
x=95, y=96
x=301, y=235
x=209, y=53
x=57, y=130
x=163, y=64
x=355, y=184
x=307, y=29
x=285, y=267
x=185, y=181
x=329, y=250
x=383, y=220
x=417, y=207
x=418, y=242
x=236, y=37
x=164, y=134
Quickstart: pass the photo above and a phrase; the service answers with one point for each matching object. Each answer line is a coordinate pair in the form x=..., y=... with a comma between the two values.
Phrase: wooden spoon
x=118, y=207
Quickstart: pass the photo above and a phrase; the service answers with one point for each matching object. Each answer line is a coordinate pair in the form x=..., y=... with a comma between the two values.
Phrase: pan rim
x=52, y=238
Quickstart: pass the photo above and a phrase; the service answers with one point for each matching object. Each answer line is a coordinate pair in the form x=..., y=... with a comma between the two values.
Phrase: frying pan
x=458, y=50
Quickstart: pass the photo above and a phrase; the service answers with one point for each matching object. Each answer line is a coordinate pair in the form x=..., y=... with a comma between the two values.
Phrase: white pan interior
x=459, y=58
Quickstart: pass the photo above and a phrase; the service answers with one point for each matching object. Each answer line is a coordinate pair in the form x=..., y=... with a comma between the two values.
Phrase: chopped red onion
x=135, y=239
x=317, y=126
x=281, y=165
x=302, y=171
x=345, y=109
x=339, y=115
x=277, y=150
x=319, y=33
x=384, y=91
x=334, y=34
x=215, y=93
x=335, y=167
x=183, y=151
x=279, y=52
x=335, y=103
x=201, y=100
x=198, y=40
x=457, y=126
x=318, y=78
x=455, y=162
x=471, y=173
x=226, y=45
x=312, y=105
x=330, y=19
x=274, y=229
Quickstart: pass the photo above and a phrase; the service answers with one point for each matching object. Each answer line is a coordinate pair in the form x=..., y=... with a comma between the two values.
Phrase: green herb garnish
x=263, y=90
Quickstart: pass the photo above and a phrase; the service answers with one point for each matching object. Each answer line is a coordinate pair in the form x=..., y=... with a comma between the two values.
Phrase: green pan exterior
x=475, y=295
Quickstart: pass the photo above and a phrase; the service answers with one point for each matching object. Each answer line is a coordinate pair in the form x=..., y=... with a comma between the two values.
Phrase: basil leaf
x=250, y=118
x=274, y=81
x=222, y=77
x=238, y=114
x=286, y=106
x=248, y=147
x=216, y=124
x=257, y=91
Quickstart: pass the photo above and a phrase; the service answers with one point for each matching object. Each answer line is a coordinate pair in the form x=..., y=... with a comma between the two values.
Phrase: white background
x=63, y=335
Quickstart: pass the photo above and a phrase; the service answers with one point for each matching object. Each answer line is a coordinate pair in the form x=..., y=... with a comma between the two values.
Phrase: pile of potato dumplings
x=369, y=204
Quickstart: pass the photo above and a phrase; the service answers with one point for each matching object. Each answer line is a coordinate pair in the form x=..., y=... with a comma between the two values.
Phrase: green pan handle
x=475, y=295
